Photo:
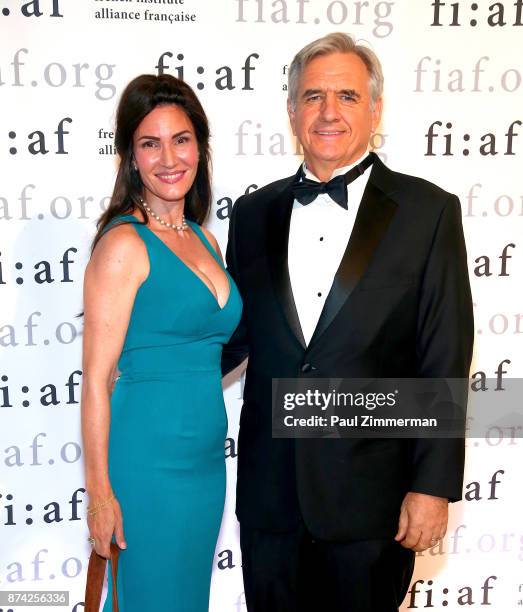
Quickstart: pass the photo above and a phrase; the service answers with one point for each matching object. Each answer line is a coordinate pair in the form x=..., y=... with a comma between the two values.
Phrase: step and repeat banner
x=453, y=115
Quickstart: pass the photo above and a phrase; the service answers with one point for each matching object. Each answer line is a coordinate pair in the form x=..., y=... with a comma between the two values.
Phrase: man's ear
x=292, y=115
x=376, y=114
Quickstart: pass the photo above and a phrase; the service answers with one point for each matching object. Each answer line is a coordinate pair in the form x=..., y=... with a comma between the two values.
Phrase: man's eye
x=314, y=98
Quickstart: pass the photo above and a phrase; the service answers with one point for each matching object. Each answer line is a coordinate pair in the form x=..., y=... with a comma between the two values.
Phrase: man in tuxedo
x=347, y=270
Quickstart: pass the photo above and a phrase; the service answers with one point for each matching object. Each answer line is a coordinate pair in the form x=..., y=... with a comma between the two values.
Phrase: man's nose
x=330, y=108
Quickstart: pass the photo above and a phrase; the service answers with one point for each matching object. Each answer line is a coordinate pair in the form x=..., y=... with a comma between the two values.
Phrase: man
x=362, y=277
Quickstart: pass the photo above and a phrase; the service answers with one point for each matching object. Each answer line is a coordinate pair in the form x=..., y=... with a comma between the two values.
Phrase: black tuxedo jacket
x=399, y=307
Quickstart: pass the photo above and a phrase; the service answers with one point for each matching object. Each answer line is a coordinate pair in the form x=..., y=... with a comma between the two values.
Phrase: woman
x=158, y=307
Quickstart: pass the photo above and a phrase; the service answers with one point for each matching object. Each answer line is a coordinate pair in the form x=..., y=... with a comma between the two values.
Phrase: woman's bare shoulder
x=120, y=247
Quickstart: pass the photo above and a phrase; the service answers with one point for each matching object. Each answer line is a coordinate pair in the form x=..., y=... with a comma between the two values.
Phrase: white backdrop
x=453, y=113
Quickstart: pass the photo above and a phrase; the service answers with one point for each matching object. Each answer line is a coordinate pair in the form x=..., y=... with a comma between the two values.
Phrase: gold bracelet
x=101, y=503
x=94, y=509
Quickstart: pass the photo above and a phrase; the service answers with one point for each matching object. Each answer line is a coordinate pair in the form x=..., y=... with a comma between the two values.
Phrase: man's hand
x=423, y=521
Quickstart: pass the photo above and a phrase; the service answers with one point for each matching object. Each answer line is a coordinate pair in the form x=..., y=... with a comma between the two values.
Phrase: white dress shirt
x=318, y=236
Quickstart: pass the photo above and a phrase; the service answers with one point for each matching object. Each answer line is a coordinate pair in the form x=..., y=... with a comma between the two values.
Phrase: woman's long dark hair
x=140, y=97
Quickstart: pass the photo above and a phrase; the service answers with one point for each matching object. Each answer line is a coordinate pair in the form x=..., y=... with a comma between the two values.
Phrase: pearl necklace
x=179, y=228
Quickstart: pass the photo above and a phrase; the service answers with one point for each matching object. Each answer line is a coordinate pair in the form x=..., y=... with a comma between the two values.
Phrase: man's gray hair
x=337, y=42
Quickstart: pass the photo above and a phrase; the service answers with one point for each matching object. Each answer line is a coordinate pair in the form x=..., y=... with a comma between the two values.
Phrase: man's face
x=333, y=119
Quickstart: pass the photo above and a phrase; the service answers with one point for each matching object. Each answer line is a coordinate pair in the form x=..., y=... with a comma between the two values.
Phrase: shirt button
x=319, y=293
x=321, y=238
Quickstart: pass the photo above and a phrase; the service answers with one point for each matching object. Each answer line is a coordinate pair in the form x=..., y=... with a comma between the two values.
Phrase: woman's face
x=166, y=154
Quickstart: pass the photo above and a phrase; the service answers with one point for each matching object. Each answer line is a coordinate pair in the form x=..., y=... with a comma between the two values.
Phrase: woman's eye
x=148, y=144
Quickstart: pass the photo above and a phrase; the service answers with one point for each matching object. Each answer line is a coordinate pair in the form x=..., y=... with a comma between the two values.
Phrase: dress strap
x=120, y=220
x=198, y=230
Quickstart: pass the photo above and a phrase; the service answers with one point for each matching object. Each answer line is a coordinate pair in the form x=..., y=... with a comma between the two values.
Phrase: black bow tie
x=306, y=191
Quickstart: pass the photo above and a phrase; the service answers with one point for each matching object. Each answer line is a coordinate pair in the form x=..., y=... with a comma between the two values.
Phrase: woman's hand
x=103, y=524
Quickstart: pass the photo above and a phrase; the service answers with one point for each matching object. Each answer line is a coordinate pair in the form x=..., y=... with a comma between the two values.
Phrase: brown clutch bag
x=95, y=579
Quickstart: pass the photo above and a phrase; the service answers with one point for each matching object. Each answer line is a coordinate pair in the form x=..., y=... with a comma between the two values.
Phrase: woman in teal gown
x=159, y=305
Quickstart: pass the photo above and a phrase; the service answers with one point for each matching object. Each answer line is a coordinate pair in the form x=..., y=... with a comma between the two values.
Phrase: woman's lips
x=170, y=177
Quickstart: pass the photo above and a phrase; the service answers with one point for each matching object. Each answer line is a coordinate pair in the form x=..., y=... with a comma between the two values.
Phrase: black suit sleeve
x=445, y=334
x=236, y=350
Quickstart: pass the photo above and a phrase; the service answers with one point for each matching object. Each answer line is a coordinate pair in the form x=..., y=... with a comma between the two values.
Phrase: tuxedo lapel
x=278, y=223
x=375, y=212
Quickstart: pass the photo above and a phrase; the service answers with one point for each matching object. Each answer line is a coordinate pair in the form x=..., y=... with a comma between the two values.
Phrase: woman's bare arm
x=118, y=266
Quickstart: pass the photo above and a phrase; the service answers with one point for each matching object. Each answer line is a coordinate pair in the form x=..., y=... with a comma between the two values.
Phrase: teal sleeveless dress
x=167, y=434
